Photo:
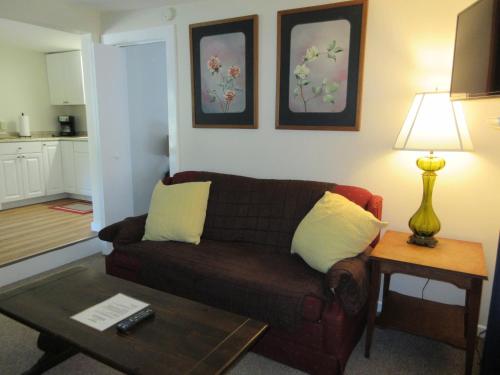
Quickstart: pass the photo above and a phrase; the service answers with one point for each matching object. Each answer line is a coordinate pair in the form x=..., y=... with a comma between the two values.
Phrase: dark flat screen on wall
x=476, y=70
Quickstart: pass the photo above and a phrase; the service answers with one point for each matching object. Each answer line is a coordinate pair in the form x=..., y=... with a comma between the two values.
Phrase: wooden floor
x=36, y=229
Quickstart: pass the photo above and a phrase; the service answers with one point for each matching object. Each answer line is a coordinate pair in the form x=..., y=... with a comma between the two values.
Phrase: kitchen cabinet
x=68, y=167
x=52, y=166
x=11, y=178
x=33, y=182
x=76, y=168
x=35, y=169
x=21, y=177
x=82, y=168
x=65, y=76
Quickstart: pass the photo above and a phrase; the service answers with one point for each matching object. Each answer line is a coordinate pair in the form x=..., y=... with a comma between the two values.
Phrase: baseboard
x=480, y=327
x=47, y=198
x=27, y=202
x=80, y=197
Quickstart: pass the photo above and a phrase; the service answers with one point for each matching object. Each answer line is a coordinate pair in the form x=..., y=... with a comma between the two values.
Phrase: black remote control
x=127, y=324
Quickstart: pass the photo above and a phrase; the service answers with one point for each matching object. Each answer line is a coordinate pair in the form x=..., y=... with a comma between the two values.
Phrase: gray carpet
x=393, y=353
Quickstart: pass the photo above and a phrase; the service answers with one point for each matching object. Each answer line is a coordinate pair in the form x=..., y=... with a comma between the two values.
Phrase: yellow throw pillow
x=334, y=229
x=177, y=212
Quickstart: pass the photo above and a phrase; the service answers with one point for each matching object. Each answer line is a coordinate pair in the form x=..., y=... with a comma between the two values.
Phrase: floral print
x=301, y=71
x=229, y=95
x=213, y=64
x=324, y=89
x=227, y=89
x=234, y=71
x=312, y=54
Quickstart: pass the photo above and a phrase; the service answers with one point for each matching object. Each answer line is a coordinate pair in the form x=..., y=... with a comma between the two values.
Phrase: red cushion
x=356, y=194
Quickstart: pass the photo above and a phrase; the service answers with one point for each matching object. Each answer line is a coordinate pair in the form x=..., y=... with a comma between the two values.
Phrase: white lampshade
x=434, y=123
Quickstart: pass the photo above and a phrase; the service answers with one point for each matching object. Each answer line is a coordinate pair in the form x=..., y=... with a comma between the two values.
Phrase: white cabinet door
x=82, y=167
x=65, y=76
x=74, y=78
x=52, y=163
x=33, y=183
x=68, y=167
x=56, y=77
x=11, y=178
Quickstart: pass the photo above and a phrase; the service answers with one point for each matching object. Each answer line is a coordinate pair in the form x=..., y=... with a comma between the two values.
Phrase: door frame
x=166, y=34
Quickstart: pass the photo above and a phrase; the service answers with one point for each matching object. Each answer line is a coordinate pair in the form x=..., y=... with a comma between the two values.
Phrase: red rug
x=80, y=208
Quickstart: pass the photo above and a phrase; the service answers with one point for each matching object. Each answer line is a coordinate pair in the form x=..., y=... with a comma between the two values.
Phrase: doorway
x=132, y=118
x=45, y=186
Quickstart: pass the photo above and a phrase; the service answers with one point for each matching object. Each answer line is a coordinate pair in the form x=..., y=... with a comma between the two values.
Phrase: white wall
x=56, y=14
x=409, y=48
x=148, y=114
x=24, y=88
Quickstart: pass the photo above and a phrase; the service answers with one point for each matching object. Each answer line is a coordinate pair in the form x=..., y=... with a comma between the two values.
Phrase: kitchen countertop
x=42, y=139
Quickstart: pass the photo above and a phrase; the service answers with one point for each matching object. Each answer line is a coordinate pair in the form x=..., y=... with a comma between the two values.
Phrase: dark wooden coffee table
x=185, y=337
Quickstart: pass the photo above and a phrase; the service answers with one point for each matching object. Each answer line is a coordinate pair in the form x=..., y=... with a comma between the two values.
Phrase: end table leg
x=372, y=305
x=387, y=283
x=472, y=313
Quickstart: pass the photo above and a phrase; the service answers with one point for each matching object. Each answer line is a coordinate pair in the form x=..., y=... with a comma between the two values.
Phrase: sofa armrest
x=126, y=231
x=348, y=279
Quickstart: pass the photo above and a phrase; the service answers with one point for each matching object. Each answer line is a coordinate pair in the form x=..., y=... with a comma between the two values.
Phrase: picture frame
x=224, y=73
x=319, y=73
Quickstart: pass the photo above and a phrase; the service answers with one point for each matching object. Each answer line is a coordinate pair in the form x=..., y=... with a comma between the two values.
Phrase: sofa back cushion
x=260, y=211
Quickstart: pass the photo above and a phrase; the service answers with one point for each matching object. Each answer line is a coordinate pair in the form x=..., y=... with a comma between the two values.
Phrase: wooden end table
x=460, y=263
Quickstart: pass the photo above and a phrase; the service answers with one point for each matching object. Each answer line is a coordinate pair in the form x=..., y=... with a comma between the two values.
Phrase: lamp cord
x=425, y=286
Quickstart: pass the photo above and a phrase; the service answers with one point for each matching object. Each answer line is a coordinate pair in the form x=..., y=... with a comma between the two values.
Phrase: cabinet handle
x=65, y=102
x=19, y=148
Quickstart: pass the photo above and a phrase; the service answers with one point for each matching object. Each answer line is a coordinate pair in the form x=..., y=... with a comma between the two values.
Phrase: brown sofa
x=243, y=264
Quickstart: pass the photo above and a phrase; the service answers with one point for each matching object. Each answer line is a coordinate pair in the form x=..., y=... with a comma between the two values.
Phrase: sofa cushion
x=264, y=212
x=177, y=212
x=243, y=278
x=334, y=229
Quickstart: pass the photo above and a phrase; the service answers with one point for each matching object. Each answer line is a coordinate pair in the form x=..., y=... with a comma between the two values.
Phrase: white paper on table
x=109, y=312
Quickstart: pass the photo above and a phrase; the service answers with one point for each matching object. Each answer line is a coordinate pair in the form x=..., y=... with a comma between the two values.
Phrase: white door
x=32, y=165
x=148, y=114
x=52, y=163
x=68, y=167
x=109, y=137
x=11, y=178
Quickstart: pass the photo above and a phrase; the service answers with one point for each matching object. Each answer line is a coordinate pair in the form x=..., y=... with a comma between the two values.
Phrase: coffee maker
x=67, y=126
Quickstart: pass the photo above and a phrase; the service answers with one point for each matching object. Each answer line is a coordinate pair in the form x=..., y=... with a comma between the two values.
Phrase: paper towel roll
x=24, y=126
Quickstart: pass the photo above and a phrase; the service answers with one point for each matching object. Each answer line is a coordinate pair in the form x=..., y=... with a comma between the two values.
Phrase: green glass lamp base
x=424, y=223
x=422, y=240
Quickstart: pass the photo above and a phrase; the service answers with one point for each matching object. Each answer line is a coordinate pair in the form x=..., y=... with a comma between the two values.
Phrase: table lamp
x=434, y=123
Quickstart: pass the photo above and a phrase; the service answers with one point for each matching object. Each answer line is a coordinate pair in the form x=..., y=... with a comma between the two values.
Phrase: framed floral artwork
x=320, y=66
x=224, y=73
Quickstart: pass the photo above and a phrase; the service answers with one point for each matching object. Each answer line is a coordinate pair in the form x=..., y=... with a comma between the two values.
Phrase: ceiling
x=36, y=38
x=123, y=5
